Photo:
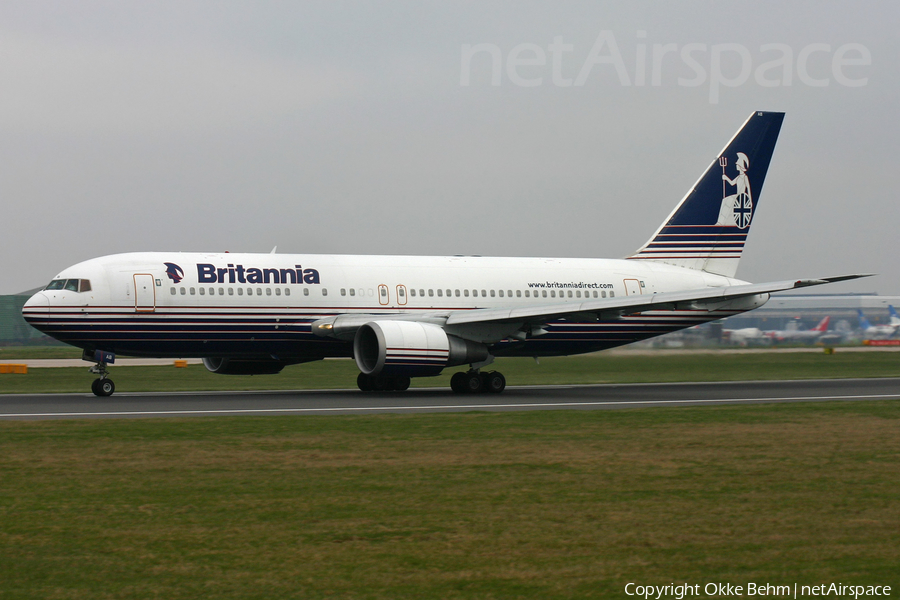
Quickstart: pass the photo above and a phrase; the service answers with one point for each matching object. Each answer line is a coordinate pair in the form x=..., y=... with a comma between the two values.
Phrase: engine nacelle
x=230, y=366
x=411, y=349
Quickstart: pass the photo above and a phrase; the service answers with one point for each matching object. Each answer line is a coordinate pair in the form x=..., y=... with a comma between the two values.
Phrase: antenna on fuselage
x=273, y=250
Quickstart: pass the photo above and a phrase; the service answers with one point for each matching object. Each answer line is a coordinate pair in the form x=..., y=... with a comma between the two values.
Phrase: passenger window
x=440, y=293
x=172, y=290
x=183, y=291
x=604, y=294
x=231, y=291
x=402, y=292
x=544, y=293
x=466, y=293
x=421, y=292
x=612, y=293
x=352, y=292
x=324, y=292
x=527, y=293
x=202, y=291
x=287, y=291
x=578, y=293
x=501, y=293
x=277, y=291
x=343, y=292
x=448, y=293
x=492, y=293
x=457, y=293
x=570, y=293
x=268, y=291
x=306, y=291
x=431, y=292
x=518, y=293
x=383, y=292
x=240, y=291
x=192, y=292
x=221, y=291
x=259, y=291
x=412, y=292
x=553, y=293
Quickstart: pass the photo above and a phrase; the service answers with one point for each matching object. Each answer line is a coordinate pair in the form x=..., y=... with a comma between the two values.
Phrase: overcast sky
x=383, y=127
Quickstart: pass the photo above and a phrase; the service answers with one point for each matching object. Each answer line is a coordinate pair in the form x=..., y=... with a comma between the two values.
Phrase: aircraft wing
x=711, y=298
x=494, y=324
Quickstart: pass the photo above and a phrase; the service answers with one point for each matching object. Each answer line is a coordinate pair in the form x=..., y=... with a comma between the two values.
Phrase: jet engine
x=411, y=349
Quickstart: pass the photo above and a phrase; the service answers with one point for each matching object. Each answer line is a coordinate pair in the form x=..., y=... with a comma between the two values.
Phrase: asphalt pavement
x=425, y=400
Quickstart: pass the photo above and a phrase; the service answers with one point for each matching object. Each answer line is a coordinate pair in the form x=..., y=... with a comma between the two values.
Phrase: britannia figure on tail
x=737, y=209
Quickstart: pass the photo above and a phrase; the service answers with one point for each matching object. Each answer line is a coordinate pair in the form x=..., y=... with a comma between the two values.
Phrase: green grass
x=11, y=353
x=549, y=505
x=596, y=368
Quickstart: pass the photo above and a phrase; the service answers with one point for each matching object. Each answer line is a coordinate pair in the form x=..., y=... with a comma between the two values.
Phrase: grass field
x=563, y=504
x=595, y=368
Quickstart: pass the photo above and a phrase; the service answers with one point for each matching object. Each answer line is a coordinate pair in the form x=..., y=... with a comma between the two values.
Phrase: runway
x=350, y=402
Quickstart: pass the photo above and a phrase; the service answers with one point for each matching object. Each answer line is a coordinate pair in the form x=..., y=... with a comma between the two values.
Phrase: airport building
x=14, y=331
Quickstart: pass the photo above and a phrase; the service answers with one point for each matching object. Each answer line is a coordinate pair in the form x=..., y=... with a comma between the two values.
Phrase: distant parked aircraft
x=879, y=332
x=804, y=336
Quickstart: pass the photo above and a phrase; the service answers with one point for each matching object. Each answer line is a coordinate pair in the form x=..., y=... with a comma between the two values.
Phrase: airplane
x=806, y=336
x=879, y=332
x=400, y=317
x=745, y=336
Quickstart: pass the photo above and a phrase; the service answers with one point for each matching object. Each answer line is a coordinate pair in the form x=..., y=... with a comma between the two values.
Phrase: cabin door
x=144, y=293
x=632, y=287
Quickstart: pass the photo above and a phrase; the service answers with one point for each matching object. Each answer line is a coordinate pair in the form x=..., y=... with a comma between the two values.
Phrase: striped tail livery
x=708, y=228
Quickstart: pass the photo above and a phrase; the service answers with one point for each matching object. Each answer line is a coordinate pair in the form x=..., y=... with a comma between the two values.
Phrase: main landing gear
x=103, y=386
x=380, y=383
x=474, y=382
x=470, y=382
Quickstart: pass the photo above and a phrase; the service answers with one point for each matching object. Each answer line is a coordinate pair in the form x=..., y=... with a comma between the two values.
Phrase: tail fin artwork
x=823, y=325
x=895, y=318
x=863, y=321
x=708, y=228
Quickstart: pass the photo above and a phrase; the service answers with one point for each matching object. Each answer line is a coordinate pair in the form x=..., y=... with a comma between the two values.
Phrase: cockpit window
x=72, y=285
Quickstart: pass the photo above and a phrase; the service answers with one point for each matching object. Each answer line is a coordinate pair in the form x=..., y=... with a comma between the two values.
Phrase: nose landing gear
x=103, y=386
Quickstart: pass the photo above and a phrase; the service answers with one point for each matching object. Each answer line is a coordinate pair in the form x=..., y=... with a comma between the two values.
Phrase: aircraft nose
x=36, y=305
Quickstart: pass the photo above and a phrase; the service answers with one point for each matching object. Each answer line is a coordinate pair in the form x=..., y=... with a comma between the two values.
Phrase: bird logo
x=175, y=273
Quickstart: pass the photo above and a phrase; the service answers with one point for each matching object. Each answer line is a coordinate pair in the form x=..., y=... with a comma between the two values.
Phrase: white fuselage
x=257, y=305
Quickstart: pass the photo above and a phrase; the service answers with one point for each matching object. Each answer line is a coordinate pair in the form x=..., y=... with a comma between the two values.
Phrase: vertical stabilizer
x=823, y=325
x=863, y=321
x=708, y=228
